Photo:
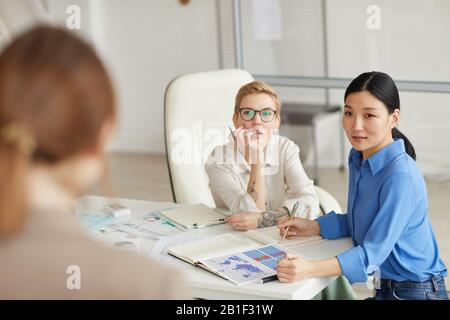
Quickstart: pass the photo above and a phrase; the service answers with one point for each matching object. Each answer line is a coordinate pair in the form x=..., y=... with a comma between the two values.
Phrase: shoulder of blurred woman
x=134, y=276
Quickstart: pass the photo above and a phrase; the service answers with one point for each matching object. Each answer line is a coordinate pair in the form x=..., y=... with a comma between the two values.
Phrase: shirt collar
x=381, y=158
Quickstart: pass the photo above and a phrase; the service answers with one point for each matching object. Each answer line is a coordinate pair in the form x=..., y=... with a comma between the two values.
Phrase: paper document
x=247, y=266
x=237, y=259
x=267, y=20
x=211, y=247
x=151, y=225
x=272, y=235
x=160, y=253
x=95, y=221
x=118, y=238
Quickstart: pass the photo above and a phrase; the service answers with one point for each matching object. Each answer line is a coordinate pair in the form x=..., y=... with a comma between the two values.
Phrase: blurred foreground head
x=56, y=106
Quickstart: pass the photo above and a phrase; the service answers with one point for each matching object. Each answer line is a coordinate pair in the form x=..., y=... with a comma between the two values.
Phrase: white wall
x=17, y=16
x=412, y=44
x=57, y=11
x=146, y=44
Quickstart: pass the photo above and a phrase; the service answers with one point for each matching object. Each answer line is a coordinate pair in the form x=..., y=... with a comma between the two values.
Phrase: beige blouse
x=37, y=265
x=285, y=179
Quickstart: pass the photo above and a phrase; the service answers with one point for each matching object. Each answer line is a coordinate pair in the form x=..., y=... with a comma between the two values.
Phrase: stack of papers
x=152, y=225
x=95, y=221
x=124, y=233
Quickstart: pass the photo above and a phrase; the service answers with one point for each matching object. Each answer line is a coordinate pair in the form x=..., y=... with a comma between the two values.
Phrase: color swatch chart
x=268, y=255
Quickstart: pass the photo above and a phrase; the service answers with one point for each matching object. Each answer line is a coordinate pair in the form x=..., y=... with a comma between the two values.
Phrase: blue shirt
x=386, y=218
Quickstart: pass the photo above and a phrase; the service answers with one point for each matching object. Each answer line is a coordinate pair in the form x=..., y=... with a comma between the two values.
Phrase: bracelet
x=270, y=218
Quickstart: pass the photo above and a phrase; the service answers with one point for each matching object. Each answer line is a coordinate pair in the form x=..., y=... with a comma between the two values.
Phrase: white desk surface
x=204, y=284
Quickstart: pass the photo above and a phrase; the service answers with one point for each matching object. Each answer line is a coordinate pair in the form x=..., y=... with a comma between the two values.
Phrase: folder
x=194, y=216
x=236, y=259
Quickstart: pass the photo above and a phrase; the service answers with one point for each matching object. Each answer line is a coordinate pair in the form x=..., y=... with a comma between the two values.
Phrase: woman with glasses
x=258, y=175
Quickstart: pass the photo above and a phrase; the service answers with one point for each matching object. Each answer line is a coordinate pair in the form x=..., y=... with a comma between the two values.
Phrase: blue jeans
x=431, y=289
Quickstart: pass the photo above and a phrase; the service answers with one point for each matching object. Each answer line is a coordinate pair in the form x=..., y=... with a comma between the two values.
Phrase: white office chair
x=198, y=111
x=327, y=202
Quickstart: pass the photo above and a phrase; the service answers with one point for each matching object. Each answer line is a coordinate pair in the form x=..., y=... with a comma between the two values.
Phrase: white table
x=204, y=284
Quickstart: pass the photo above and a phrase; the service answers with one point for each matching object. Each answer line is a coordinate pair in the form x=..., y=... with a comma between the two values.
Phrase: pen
x=291, y=216
x=169, y=223
x=212, y=223
x=232, y=133
x=268, y=279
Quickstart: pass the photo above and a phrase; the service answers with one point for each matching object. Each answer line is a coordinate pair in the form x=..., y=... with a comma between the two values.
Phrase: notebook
x=238, y=260
x=271, y=235
x=194, y=216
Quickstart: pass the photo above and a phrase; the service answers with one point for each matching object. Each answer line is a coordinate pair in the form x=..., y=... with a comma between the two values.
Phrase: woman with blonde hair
x=57, y=111
x=260, y=176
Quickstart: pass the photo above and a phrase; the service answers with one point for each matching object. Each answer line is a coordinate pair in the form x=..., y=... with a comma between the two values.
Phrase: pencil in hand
x=232, y=133
x=291, y=217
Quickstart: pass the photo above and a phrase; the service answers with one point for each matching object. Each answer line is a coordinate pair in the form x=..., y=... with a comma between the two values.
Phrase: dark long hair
x=381, y=86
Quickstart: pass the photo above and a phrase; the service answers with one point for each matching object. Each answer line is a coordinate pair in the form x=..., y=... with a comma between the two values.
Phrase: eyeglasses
x=266, y=115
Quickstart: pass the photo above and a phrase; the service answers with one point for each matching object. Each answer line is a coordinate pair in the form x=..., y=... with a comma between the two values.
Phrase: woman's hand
x=240, y=140
x=244, y=221
x=248, y=143
x=294, y=268
x=298, y=227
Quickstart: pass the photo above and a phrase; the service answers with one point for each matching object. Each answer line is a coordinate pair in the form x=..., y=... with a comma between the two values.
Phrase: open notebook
x=194, y=216
x=271, y=235
x=239, y=260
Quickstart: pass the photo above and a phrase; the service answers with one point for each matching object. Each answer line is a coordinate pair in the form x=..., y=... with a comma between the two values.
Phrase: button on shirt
x=285, y=179
x=387, y=219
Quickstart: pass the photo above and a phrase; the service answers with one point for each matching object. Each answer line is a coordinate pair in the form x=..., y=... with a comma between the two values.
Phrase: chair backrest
x=327, y=202
x=198, y=110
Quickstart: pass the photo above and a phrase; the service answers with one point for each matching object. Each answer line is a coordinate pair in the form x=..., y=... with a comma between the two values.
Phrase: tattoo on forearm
x=270, y=218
